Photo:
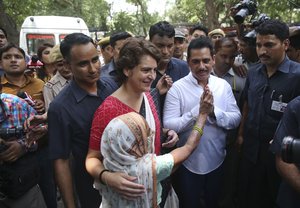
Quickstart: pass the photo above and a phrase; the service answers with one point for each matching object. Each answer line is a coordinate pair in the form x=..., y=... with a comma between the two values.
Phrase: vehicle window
x=62, y=37
x=34, y=41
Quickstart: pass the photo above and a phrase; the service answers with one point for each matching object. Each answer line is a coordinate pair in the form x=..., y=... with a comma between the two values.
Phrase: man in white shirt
x=199, y=178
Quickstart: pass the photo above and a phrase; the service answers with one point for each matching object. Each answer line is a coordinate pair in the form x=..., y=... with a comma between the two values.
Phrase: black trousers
x=259, y=182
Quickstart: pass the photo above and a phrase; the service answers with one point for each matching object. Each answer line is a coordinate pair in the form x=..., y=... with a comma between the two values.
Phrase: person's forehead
x=217, y=35
x=119, y=43
x=226, y=50
x=179, y=39
x=267, y=38
x=2, y=33
x=200, y=53
x=81, y=50
x=162, y=39
x=201, y=32
x=13, y=51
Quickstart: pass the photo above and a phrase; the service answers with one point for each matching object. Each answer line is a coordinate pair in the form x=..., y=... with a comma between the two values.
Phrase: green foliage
x=123, y=21
x=192, y=11
x=18, y=10
x=287, y=11
x=94, y=12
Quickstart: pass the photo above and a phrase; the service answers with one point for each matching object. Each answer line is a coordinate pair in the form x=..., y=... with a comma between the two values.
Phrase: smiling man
x=202, y=171
x=268, y=89
x=70, y=116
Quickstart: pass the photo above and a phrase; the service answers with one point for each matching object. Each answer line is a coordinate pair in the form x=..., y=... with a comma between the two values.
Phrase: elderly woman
x=136, y=67
x=127, y=145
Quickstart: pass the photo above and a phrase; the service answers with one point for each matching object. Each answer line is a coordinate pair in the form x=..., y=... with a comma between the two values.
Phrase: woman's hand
x=123, y=184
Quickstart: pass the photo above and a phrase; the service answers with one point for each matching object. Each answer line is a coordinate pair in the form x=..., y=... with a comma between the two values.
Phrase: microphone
x=26, y=97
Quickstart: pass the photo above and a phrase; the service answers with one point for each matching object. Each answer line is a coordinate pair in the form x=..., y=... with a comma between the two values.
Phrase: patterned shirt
x=14, y=111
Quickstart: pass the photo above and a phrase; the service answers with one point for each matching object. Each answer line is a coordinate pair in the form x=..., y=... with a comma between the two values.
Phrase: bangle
x=198, y=129
x=100, y=176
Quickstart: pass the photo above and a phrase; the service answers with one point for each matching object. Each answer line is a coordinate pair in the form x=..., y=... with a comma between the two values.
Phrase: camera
x=260, y=19
x=6, y=133
x=290, y=150
x=245, y=8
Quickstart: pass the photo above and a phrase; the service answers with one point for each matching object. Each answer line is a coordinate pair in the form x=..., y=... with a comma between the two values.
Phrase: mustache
x=263, y=56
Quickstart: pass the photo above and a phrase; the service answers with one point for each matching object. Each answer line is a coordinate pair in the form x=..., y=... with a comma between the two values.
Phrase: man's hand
x=164, y=84
x=34, y=121
x=123, y=184
x=240, y=70
x=172, y=139
x=206, y=101
x=239, y=143
x=35, y=128
x=35, y=134
x=13, y=152
x=39, y=106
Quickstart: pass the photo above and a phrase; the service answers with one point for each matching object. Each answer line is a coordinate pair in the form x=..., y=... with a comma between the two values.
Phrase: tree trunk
x=212, y=15
x=9, y=25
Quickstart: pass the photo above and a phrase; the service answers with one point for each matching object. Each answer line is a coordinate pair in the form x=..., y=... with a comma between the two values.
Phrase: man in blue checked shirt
x=19, y=172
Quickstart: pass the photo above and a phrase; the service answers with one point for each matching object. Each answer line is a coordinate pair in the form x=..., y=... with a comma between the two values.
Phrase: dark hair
x=199, y=43
x=162, y=28
x=8, y=47
x=131, y=54
x=4, y=31
x=199, y=27
x=42, y=48
x=231, y=34
x=118, y=36
x=226, y=43
x=103, y=46
x=273, y=27
x=295, y=41
x=72, y=40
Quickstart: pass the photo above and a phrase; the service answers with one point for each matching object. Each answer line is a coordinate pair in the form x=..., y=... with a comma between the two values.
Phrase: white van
x=37, y=30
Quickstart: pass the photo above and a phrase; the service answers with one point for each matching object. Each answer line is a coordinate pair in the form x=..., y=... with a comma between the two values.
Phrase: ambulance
x=38, y=30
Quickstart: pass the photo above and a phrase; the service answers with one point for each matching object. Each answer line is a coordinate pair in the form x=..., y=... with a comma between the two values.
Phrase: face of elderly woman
x=141, y=76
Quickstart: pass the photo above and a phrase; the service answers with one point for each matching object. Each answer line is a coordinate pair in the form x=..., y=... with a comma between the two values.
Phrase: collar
x=229, y=73
x=5, y=81
x=80, y=93
x=285, y=65
x=61, y=79
x=194, y=80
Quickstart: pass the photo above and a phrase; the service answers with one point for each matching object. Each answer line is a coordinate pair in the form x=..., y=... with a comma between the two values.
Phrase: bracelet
x=197, y=128
x=100, y=176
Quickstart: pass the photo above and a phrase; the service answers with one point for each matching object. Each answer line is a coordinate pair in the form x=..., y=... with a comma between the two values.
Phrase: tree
x=214, y=13
x=123, y=21
x=142, y=17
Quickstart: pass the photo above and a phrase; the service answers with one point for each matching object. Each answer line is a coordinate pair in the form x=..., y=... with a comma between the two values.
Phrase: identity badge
x=278, y=106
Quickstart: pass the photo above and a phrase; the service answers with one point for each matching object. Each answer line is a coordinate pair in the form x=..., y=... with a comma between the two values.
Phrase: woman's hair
x=132, y=52
x=41, y=73
x=42, y=48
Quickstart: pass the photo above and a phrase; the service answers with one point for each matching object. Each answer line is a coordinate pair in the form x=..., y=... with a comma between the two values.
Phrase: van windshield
x=34, y=41
x=62, y=37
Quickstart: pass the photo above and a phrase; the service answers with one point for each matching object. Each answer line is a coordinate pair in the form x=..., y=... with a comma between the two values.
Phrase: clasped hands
x=206, y=102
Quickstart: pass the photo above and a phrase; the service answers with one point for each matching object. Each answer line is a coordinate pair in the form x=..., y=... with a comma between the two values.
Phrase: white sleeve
x=230, y=117
x=173, y=117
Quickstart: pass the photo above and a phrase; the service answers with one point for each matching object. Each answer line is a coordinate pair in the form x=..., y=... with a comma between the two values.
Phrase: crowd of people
x=179, y=119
